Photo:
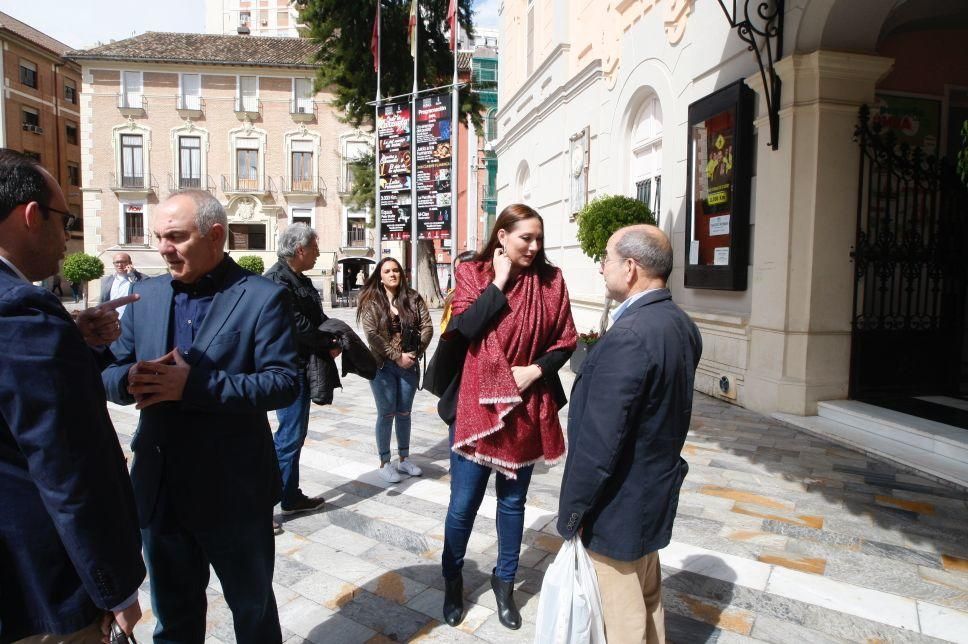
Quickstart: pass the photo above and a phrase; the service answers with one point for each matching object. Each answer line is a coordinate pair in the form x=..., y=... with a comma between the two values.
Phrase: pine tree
x=343, y=31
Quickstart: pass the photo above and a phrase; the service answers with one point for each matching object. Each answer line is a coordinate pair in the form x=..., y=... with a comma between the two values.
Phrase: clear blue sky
x=82, y=23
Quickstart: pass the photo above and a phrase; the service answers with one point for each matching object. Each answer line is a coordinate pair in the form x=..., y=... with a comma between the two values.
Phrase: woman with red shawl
x=511, y=307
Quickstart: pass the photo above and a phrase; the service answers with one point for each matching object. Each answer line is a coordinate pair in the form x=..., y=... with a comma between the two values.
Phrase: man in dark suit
x=70, y=552
x=205, y=353
x=122, y=281
x=630, y=411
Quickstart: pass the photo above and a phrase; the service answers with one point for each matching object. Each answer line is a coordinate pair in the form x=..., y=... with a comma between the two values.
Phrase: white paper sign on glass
x=721, y=256
x=694, y=252
x=719, y=225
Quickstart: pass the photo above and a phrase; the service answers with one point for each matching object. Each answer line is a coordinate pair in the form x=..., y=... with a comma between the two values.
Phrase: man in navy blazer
x=204, y=354
x=629, y=414
x=70, y=552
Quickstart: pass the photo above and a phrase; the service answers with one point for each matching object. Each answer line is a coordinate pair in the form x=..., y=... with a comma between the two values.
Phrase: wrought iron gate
x=909, y=268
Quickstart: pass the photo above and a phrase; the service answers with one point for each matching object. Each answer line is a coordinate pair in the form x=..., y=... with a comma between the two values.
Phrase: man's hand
x=524, y=377
x=158, y=380
x=100, y=324
x=125, y=618
x=406, y=360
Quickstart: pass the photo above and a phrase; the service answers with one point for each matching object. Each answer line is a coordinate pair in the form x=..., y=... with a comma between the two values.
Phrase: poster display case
x=720, y=162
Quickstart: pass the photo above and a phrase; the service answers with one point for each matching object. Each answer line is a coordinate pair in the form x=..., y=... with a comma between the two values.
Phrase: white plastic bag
x=570, y=607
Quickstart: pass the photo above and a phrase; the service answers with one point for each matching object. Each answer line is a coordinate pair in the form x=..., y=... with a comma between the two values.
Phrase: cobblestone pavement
x=781, y=537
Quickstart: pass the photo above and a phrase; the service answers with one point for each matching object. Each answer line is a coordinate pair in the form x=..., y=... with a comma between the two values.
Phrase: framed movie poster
x=720, y=163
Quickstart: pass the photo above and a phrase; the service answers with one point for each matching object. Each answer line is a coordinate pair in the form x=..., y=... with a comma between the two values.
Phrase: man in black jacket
x=630, y=411
x=298, y=250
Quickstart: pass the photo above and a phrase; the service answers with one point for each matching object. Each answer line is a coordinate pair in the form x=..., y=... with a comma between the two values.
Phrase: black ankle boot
x=507, y=612
x=454, y=600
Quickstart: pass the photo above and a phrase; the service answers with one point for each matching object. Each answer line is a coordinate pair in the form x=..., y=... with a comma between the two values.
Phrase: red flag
x=452, y=19
x=412, y=28
x=375, y=39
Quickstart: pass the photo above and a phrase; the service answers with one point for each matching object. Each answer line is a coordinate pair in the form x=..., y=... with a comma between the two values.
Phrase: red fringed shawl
x=496, y=425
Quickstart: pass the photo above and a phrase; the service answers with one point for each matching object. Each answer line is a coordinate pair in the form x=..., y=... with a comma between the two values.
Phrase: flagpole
x=378, y=214
x=455, y=122
x=413, y=152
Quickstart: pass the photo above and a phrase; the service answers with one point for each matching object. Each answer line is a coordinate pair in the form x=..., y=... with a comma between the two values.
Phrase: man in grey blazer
x=629, y=414
x=122, y=281
x=206, y=352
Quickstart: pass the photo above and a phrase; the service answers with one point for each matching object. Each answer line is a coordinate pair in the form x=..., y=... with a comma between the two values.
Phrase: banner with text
x=432, y=140
x=394, y=133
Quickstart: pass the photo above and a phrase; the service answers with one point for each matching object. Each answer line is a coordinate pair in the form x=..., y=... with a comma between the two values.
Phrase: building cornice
x=591, y=73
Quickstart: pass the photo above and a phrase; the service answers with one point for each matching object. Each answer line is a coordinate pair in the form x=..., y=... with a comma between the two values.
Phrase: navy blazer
x=69, y=541
x=210, y=456
x=630, y=411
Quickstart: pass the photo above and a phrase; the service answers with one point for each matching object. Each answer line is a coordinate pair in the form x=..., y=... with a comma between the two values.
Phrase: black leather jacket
x=307, y=310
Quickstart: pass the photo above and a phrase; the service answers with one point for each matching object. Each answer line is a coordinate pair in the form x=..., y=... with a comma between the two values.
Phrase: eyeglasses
x=68, y=219
x=605, y=261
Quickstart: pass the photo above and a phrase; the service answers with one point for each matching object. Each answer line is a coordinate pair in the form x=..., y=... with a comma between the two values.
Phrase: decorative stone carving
x=675, y=19
x=245, y=209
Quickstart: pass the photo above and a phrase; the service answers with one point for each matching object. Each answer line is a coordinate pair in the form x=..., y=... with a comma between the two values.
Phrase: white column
x=806, y=201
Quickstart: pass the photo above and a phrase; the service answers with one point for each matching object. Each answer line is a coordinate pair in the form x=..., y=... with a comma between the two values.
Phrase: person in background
x=626, y=427
x=76, y=291
x=55, y=285
x=398, y=329
x=445, y=318
x=204, y=355
x=298, y=250
x=70, y=552
x=512, y=307
x=120, y=283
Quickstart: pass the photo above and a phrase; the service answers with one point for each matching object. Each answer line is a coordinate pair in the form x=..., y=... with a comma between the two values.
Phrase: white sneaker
x=389, y=473
x=406, y=467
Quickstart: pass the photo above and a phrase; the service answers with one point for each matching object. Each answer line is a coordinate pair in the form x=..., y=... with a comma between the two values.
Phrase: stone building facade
x=235, y=115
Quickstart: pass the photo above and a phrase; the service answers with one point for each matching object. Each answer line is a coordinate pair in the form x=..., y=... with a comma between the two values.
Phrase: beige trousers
x=90, y=635
x=631, y=599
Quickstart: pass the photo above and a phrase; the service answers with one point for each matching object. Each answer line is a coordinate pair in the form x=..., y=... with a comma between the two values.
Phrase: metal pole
x=455, y=122
x=378, y=214
x=413, y=156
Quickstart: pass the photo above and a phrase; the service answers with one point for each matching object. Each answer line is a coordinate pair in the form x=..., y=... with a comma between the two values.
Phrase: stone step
x=899, y=438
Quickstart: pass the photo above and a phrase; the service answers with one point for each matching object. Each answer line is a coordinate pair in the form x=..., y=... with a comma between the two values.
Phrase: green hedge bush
x=603, y=216
x=81, y=267
x=252, y=263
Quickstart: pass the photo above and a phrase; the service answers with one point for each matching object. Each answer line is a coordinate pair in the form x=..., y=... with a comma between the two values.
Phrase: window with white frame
x=248, y=95
x=132, y=161
x=646, y=155
x=524, y=183
x=245, y=18
x=356, y=228
x=191, y=92
x=133, y=223
x=302, y=216
x=352, y=151
x=247, y=164
x=189, y=162
x=31, y=119
x=301, y=166
x=247, y=236
x=132, y=89
x=302, y=94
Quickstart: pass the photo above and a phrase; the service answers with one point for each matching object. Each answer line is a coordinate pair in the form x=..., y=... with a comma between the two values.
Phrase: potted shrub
x=585, y=342
x=598, y=220
x=81, y=268
x=252, y=263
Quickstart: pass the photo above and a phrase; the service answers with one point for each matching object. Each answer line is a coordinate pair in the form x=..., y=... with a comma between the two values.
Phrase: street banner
x=393, y=134
x=432, y=132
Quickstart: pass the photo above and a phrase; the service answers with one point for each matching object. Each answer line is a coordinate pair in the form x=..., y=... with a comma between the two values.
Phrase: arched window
x=490, y=125
x=645, y=166
x=524, y=183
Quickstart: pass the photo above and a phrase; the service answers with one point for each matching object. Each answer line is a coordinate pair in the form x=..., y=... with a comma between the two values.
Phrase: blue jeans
x=468, y=482
x=242, y=555
x=289, y=439
x=393, y=390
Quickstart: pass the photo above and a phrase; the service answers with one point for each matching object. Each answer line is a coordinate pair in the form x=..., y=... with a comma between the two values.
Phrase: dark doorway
x=910, y=278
